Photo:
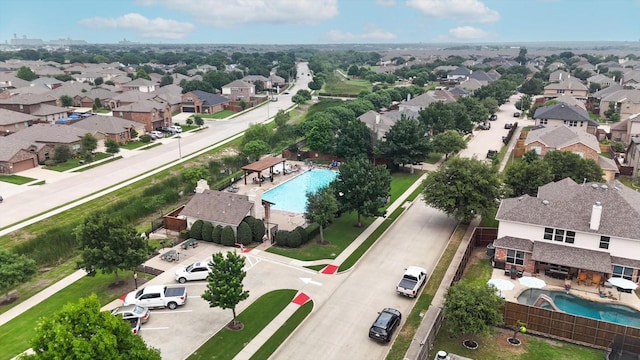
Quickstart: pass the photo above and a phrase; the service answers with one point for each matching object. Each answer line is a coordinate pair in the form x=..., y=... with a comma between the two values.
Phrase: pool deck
x=583, y=291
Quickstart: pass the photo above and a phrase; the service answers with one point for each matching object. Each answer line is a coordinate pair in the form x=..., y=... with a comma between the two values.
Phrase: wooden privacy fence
x=572, y=328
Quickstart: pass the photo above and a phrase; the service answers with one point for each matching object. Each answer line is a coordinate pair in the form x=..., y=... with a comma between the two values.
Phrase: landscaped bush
x=228, y=236
x=50, y=162
x=257, y=228
x=244, y=233
x=184, y=234
x=207, y=231
x=216, y=234
x=294, y=239
x=145, y=138
x=313, y=230
x=196, y=229
x=282, y=238
x=304, y=236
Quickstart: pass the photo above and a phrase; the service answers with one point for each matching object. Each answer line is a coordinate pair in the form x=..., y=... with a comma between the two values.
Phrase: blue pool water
x=614, y=313
x=292, y=195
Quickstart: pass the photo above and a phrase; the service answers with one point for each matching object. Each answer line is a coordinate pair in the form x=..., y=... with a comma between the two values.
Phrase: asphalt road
x=22, y=202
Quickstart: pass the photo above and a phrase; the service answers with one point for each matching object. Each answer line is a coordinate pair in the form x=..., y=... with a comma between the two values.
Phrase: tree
x=14, y=269
x=463, y=188
x=448, y=142
x=565, y=164
x=525, y=177
x=26, y=74
x=282, y=118
x=524, y=103
x=142, y=74
x=206, y=232
x=522, y=56
x=196, y=229
x=198, y=120
x=113, y=147
x=354, y=139
x=98, y=81
x=244, y=233
x=612, y=113
x=224, y=283
x=258, y=132
x=166, y=80
x=472, y=309
x=66, y=101
x=594, y=87
x=89, y=143
x=81, y=331
x=227, y=236
x=320, y=134
x=97, y=104
x=362, y=187
x=478, y=113
x=405, y=142
x=321, y=208
x=61, y=153
x=189, y=121
x=255, y=149
x=109, y=244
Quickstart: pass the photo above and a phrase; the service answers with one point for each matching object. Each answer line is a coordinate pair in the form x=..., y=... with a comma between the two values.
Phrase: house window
x=76, y=147
x=559, y=235
x=515, y=257
x=623, y=272
x=571, y=237
x=604, y=242
x=571, y=123
x=190, y=99
x=548, y=233
x=46, y=156
x=537, y=149
x=544, y=121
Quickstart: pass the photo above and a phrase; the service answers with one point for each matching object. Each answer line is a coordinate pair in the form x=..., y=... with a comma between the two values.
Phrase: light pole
x=179, y=147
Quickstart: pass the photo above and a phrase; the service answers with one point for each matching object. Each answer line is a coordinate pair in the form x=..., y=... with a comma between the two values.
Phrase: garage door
x=188, y=109
x=24, y=165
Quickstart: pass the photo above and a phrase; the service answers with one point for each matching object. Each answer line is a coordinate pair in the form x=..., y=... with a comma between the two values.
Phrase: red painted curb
x=329, y=270
x=300, y=299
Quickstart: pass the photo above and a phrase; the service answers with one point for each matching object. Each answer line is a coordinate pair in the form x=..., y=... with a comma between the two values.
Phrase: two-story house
x=562, y=114
x=563, y=138
x=202, y=102
x=559, y=76
x=150, y=113
x=459, y=74
x=571, y=228
x=423, y=101
x=571, y=86
x=239, y=90
x=140, y=84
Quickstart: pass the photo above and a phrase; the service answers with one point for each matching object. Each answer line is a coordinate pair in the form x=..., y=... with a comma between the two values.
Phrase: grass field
x=219, y=115
x=336, y=85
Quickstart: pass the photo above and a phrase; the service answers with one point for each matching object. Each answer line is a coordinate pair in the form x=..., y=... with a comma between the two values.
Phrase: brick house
x=571, y=86
x=571, y=228
x=150, y=113
x=12, y=121
x=26, y=103
x=565, y=115
x=140, y=84
x=18, y=155
x=202, y=102
x=111, y=127
x=239, y=90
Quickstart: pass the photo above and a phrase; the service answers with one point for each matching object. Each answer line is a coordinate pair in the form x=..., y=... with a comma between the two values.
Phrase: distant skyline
x=286, y=22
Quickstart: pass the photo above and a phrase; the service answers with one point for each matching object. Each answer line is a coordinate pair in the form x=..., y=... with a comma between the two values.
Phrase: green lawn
x=89, y=167
x=226, y=344
x=133, y=145
x=74, y=163
x=16, y=179
x=219, y=115
x=336, y=85
x=16, y=334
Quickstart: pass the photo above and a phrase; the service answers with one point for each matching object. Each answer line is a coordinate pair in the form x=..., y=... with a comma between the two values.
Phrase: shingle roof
x=50, y=133
x=104, y=124
x=460, y=71
x=139, y=82
x=481, y=76
x=238, y=84
x=27, y=99
x=141, y=106
x=572, y=256
x=10, y=145
x=569, y=206
x=210, y=99
x=218, y=206
x=563, y=111
x=510, y=242
x=570, y=84
x=562, y=136
x=8, y=117
x=46, y=109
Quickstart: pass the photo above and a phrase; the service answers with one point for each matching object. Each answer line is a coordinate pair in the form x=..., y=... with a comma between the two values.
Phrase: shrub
x=294, y=239
x=146, y=138
x=244, y=233
x=313, y=230
x=282, y=238
x=304, y=236
x=207, y=231
x=184, y=234
x=50, y=162
x=196, y=229
x=228, y=236
x=216, y=234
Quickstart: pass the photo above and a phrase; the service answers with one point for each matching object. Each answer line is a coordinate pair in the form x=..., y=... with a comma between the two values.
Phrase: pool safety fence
x=572, y=328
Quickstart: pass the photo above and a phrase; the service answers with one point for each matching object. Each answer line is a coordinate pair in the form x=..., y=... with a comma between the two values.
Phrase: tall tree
x=26, y=74
x=224, y=284
x=567, y=164
x=142, y=74
x=463, y=188
x=109, y=244
x=81, y=331
x=321, y=208
x=113, y=147
x=362, y=187
x=14, y=269
x=448, y=142
x=66, y=101
x=405, y=142
x=255, y=149
x=472, y=309
x=89, y=143
x=525, y=177
x=166, y=80
x=354, y=140
x=61, y=153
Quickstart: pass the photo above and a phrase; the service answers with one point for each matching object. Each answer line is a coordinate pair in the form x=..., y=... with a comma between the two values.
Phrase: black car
x=508, y=126
x=516, y=114
x=387, y=321
x=493, y=117
x=492, y=154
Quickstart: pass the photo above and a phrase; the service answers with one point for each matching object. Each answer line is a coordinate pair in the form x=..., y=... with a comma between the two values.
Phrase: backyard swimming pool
x=614, y=313
x=292, y=195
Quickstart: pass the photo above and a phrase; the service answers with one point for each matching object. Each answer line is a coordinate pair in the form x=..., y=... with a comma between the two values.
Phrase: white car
x=196, y=271
x=176, y=128
x=156, y=134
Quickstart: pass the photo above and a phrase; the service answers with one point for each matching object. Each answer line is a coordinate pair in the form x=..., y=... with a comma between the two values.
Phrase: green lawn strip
x=268, y=348
x=133, y=145
x=316, y=267
x=219, y=115
x=16, y=179
x=85, y=168
x=16, y=334
x=401, y=182
x=41, y=182
x=74, y=163
x=412, y=322
x=151, y=146
x=226, y=344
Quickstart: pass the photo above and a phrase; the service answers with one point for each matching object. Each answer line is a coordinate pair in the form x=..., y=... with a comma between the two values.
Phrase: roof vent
x=545, y=202
x=604, y=187
x=594, y=185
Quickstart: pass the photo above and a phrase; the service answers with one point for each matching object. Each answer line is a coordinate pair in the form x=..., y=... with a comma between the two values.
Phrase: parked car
x=157, y=296
x=516, y=114
x=135, y=325
x=167, y=129
x=493, y=117
x=492, y=154
x=508, y=126
x=196, y=271
x=132, y=312
x=156, y=134
x=385, y=324
x=412, y=280
x=485, y=126
x=176, y=128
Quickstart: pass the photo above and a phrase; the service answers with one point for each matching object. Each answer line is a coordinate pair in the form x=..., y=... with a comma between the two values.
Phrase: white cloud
x=230, y=13
x=386, y=2
x=469, y=33
x=147, y=28
x=460, y=10
x=371, y=33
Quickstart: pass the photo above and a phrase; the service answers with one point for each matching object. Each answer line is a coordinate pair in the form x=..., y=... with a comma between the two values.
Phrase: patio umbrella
x=532, y=283
x=623, y=283
x=501, y=284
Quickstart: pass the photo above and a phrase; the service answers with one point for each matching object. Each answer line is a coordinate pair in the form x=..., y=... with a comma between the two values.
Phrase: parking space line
x=172, y=311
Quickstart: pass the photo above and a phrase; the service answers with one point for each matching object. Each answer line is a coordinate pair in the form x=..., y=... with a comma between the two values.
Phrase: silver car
x=129, y=312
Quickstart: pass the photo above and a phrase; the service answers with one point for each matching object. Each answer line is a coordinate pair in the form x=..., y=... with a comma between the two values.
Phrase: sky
x=286, y=22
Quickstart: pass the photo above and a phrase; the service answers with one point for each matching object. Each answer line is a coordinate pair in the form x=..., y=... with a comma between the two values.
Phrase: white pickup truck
x=157, y=296
x=412, y=280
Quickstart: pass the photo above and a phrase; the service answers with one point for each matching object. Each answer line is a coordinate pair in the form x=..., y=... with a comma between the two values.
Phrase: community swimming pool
x=614, y=313
x=292, y=195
